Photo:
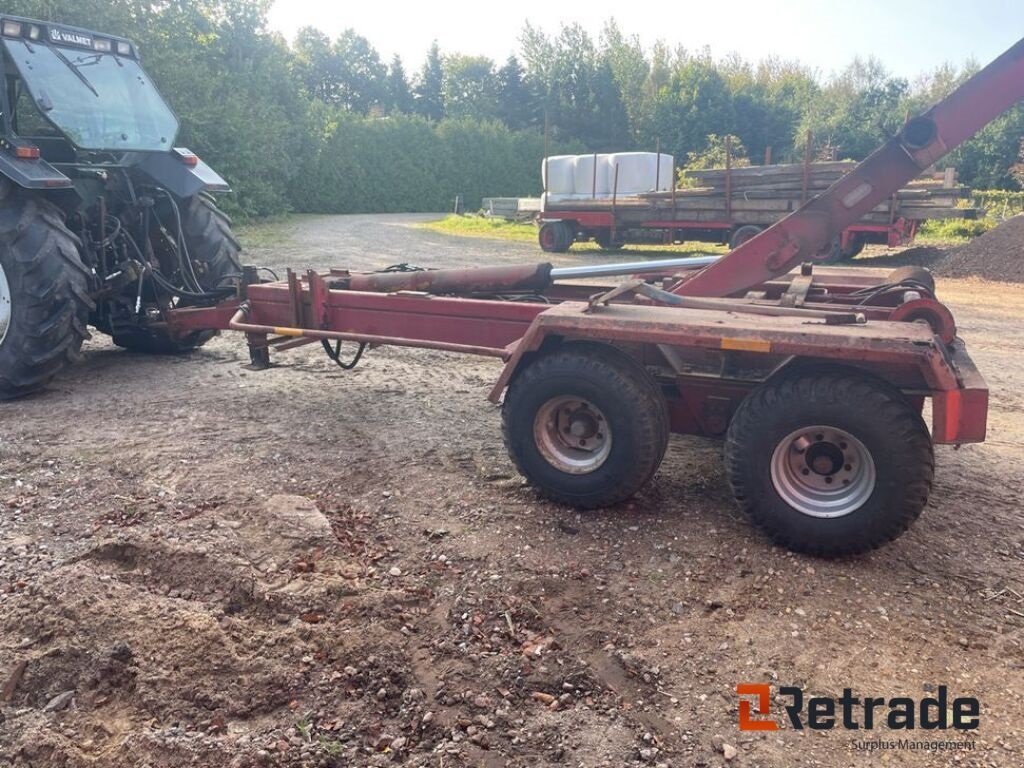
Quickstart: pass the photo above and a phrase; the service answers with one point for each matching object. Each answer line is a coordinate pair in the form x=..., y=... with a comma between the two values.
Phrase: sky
x=908, y=36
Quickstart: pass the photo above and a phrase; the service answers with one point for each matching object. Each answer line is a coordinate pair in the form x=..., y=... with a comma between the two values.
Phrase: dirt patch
x=205, y=566
x=996, y=255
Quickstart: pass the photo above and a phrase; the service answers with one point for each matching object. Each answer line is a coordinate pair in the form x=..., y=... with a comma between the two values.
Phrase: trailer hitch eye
x=919, y=132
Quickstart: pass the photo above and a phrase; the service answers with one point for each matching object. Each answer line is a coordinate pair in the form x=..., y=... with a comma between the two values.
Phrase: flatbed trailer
x=619, y=225
x=815, y=377
x=730, y=205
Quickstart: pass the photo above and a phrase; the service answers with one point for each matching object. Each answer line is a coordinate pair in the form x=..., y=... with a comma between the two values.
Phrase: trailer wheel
x=853, y=248
x=829, y=463
x=586, y=425
x=44, y=293
x=742, y=235
x=214, y=252
x=604, y=240
x=555, y=237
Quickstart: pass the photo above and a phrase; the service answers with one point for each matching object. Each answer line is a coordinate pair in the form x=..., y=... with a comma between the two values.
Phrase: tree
x=429, y=91
x=576, y=87
x=314, y=64
x=629, y=68
x=1017, y=171
x=695, y=104
x=857, y=109
x=713, y=154
x=360, y=73
x=399, y=95
x=516, y=106
x=470, y=87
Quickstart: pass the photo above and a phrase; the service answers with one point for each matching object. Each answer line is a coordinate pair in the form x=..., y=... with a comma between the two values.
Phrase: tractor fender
x=32, y=173
x=169, y=171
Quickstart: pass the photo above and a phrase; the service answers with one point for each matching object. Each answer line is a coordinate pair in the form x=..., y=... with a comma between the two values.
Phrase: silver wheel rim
x=572, y=434
x=5, y=304
x=823, y=471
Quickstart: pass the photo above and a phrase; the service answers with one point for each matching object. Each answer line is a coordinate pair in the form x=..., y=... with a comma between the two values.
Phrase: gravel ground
x=206, y=566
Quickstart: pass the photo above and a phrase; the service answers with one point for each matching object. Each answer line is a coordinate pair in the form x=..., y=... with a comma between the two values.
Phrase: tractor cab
x=77, y=90
x=73, y=99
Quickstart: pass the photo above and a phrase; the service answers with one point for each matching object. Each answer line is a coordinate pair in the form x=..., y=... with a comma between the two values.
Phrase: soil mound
x=996, y=255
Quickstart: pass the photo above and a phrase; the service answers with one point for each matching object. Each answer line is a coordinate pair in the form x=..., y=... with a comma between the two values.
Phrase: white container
x=589, y=183
x=639, y=172
x=558, y=174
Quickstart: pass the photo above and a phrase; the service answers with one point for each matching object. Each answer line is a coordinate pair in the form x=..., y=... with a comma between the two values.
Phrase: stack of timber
x=764, y=194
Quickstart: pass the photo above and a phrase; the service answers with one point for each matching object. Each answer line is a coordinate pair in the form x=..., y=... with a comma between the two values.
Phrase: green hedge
x=406, y=163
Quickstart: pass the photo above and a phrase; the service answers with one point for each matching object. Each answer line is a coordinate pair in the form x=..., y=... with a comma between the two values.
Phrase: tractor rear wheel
x=214, y=253
x=44, y=292
x=829, y=463
x=585, y=424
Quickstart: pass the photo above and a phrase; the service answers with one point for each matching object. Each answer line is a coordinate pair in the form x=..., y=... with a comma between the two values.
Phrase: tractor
x=104, y=222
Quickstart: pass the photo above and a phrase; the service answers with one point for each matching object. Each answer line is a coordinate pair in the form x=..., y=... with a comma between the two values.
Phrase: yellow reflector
x=288, y=331
x=747, y=345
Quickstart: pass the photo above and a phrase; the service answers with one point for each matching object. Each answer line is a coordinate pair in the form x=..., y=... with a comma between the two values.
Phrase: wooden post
x=807, y=168
x=657, y=165
x=674, y=172
x=728, y=178
x=768, y=155
x=545, y=153
x=615, y=195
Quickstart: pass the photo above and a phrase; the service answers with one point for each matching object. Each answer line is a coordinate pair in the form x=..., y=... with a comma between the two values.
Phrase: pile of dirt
x=996, y=255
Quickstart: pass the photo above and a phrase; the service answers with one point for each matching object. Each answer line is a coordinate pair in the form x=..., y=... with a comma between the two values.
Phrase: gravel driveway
x=202, y=565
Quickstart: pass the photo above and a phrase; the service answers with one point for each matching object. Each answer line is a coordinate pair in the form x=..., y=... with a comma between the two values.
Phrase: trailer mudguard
x=32, y=173
x=170, y=171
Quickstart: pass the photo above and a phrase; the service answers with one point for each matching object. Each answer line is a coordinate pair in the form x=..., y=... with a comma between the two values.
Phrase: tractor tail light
x=27, y=152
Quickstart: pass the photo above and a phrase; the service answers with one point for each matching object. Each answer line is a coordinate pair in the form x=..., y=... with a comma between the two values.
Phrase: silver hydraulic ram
x=631, y=268
x=516, y=278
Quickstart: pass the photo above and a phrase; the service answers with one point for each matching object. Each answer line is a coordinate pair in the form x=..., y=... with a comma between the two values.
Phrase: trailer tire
x=854, y=247
x=604, y=240
x=793, y=441
x=214, y=252
x=584, y=392
x=742, y=235
x=555, y=237
x=44, y=293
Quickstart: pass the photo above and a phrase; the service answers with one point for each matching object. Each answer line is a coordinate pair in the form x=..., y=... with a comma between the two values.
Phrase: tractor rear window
x=98, y=100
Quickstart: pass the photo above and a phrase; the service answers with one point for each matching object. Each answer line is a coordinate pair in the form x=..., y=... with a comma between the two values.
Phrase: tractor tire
x=44, y=293
x=829, y=463
x=214, y=252
x=742, y=234
x=585, y=425
x=555, y=237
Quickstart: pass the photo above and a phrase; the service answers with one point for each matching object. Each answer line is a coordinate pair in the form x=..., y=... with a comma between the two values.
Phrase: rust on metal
x=519, y=277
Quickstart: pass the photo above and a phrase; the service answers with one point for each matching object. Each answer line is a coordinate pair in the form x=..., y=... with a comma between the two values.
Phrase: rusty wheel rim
x=823, y=471
x=572, y=434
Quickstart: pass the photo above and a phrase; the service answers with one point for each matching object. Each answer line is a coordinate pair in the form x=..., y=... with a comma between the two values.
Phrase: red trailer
x=731, y=205
x=815, y=378
x=559, y=229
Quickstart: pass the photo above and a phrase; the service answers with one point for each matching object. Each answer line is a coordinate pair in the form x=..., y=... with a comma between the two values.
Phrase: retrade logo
x=854, y=713
x=764, y=695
